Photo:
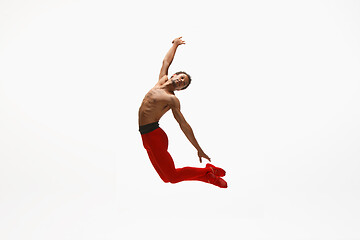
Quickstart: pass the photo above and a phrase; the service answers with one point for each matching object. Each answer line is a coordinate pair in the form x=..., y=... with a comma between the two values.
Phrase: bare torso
x=155, y=104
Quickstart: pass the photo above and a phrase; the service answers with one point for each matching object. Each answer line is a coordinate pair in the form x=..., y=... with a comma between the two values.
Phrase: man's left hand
x=201, y=154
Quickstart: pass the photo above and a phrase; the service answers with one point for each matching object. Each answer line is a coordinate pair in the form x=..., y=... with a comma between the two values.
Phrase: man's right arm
x=169, y=57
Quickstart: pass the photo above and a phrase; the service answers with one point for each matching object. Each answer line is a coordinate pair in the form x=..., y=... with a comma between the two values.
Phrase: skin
x=161, y=98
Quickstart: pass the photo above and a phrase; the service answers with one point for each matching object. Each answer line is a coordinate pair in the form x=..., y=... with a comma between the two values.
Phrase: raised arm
x=170, y=56
x=185, y=127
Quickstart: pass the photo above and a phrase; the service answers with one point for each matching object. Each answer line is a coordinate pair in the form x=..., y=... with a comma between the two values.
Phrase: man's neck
x=169, y=86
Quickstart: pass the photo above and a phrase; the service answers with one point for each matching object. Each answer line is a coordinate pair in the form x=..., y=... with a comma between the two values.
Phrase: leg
x=156, y=144
x=210, y=177
x=166, y=165
x=176, y=175
x=156, y=166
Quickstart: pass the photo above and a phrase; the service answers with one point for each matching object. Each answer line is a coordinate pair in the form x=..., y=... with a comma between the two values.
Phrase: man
x=156, y=103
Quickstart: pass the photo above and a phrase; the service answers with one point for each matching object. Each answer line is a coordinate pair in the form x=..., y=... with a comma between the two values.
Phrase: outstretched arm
x=185, y=127
x=170, y=56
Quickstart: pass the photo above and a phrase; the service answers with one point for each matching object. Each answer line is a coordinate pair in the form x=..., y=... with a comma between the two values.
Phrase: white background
x=274, y=100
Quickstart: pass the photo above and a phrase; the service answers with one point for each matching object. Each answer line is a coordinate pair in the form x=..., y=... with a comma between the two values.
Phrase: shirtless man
x=156, y=103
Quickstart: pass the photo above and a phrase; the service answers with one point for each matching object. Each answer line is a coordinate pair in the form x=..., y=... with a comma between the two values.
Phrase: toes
x=222, y=183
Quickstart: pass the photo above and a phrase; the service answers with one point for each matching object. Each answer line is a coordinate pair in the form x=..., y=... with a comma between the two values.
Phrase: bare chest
x=157, y=98
x=154, y=105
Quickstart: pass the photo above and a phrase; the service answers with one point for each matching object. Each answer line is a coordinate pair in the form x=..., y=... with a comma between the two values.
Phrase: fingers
x=206, y=157
x=179, y=41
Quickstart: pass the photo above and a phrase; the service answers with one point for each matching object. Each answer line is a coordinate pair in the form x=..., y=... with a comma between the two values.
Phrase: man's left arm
x=186, y=128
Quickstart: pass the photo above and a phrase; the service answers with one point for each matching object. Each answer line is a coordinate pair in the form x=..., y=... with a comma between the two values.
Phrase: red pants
x=156, y=145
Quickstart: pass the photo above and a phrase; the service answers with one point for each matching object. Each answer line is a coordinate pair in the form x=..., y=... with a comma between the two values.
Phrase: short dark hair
x=177, y=73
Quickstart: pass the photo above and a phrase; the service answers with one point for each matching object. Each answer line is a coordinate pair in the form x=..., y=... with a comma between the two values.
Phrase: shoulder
x=174, y=102
x=162, y=80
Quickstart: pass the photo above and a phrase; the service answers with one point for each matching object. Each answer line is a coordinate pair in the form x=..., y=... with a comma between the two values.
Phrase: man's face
x=179, y=81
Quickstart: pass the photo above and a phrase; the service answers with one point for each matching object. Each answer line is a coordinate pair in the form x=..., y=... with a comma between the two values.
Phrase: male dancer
x=156, y=103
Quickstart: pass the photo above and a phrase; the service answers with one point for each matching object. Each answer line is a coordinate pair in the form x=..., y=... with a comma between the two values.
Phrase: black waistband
x=148, y=127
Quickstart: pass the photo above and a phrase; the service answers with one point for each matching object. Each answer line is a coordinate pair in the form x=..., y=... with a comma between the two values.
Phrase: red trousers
x=156, y=145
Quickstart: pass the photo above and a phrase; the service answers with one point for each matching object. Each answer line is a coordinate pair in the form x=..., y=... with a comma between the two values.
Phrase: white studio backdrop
x=274, y=100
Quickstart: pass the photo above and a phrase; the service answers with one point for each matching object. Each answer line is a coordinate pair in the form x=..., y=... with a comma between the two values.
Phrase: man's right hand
x=170, y=56
x=178, y=41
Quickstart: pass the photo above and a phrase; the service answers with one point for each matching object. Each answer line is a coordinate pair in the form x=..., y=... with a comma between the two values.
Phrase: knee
x=170, y=176
x=173, y=180
x=173, y=177
x=168, y=179
x=164, y=179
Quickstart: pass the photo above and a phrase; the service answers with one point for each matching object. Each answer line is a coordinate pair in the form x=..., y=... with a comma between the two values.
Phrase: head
x=180, y=80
